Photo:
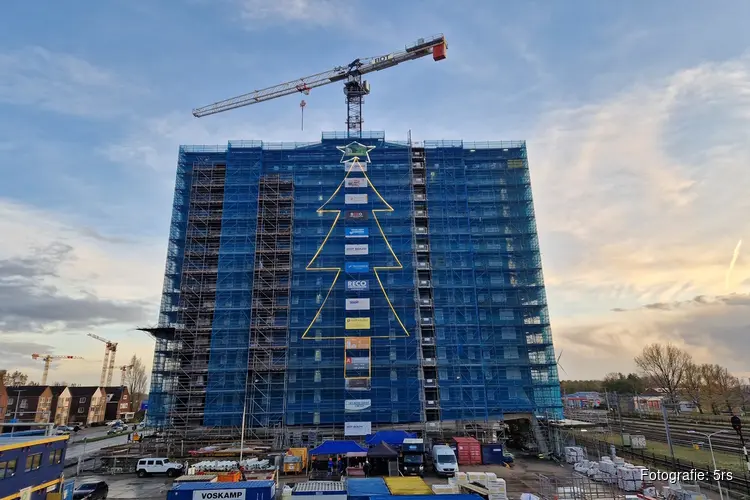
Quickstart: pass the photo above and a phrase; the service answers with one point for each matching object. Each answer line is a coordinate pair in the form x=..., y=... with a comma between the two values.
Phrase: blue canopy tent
x=337, y=448
x=389, y=437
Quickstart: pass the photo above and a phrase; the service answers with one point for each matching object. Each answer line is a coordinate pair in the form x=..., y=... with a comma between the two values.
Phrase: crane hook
x=302, y=109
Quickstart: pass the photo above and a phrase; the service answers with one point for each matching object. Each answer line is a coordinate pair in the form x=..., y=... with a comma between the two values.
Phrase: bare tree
x=724, y=389
x=15, y=379
x=136, y=382
x=694, y=385
x=665, y=365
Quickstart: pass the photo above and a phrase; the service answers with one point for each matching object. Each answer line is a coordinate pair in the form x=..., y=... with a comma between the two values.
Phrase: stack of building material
x=445, y=489
x=497, y=489
x=574, y=454
x=461, y=478
x=608, y=470
x=630, y=477
x=477, y=477
x=582, y=467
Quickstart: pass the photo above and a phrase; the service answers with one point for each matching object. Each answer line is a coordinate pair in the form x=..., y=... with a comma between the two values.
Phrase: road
x=76, y=449
x=128, y=486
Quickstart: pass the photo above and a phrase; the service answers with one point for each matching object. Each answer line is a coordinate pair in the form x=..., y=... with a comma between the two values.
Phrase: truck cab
x=444, y=460
x=412, y=457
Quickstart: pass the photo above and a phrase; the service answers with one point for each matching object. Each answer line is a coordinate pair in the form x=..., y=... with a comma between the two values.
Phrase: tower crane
x=47, y=360
x=351, y=75
x=108, y=366
x=124, y=374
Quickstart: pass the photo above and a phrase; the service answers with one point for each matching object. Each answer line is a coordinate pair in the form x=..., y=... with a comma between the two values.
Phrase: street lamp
x=713, y=458
x=15, y=413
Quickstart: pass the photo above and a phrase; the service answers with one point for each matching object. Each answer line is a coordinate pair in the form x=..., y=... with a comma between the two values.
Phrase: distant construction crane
x=108, y=365
x=351, y=75
x=47, y=360
x=124, y=374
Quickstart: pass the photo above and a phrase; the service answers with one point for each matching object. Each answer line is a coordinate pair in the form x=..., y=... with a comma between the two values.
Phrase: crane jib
x=351, y=74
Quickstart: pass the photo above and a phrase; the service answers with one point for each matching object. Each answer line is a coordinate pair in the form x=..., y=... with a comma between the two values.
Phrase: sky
x=636, y=116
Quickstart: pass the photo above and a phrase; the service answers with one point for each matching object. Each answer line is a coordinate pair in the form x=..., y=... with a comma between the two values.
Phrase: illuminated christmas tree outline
x=350, y=155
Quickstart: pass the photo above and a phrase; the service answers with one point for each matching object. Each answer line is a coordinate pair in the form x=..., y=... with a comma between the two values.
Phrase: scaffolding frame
x=233, y=259
x=269, y=326
x=197, y=299
x=425, y=331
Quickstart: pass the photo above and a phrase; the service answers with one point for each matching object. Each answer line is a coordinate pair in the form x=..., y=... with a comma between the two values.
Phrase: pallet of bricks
x=475, y=482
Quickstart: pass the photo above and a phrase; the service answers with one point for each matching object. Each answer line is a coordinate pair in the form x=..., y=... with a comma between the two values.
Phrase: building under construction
x=337, y=287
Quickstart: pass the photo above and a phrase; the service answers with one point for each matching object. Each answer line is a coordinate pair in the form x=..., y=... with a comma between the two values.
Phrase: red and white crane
x=108, y=366
x=351, y=75
x=47, y=358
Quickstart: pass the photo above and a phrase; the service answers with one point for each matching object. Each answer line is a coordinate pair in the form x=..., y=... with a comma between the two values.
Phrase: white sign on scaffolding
x=357, y=428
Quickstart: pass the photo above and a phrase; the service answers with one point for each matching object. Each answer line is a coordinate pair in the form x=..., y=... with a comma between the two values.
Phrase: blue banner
x=357, y=232
x=357, y=267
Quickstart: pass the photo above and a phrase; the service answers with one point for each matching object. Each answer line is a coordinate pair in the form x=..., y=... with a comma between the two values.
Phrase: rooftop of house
x=79, y=392
x=26, y=391
x=116, y=393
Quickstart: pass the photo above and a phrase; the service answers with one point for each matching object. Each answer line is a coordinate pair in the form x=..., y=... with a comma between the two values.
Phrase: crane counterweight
x=354, y=87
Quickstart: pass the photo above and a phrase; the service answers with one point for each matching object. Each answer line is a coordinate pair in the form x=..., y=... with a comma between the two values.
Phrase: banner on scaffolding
x=355, y=182
x=357, y=428
x=357, y=405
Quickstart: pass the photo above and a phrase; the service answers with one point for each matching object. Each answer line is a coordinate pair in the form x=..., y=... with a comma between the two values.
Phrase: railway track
x=727, y=442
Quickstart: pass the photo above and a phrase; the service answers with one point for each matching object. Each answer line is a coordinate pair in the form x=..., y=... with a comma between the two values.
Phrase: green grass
x=701, y=457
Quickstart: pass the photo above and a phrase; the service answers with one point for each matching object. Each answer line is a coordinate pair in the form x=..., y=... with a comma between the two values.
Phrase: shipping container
x=329, y=490
x=244, y=490
x=403, y=486
x=364, y=488
x=468, y=451
x=495, y=454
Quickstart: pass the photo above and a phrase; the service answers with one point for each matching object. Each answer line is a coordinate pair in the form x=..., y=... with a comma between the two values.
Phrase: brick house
x=118, y=403
x=81, y=405
x=29, y=403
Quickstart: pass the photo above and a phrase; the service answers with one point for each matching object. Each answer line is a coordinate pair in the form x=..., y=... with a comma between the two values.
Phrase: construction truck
x=412, y=457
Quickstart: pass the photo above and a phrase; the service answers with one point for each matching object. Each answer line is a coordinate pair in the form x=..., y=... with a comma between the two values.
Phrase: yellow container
x=408, y=486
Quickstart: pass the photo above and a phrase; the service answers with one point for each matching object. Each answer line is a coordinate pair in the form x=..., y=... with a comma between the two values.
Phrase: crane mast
x=355, y=88
x=108, y=366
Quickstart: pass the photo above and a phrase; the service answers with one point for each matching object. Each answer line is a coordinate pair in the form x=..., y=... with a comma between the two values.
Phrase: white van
x=444, y=460
x=158, y=465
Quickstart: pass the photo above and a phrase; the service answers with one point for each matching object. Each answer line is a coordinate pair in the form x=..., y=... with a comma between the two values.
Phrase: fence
x=738, y=487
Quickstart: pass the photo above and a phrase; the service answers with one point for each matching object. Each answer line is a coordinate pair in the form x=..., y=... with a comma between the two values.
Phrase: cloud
x=647, y=212
x=306, y=12
x=63, y=83
x=58, y=281
x=29, y=304
x=700, y=300
x=639, y=199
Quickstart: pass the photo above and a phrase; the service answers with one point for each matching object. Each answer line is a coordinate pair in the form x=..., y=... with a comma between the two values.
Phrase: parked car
x=116, y=430
x=149, y=466
x=63, y=430
x=117, y=422
x=95, y=490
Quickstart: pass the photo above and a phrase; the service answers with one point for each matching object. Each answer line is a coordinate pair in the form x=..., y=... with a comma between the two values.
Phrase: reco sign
x=219, y=495
x=359, y=285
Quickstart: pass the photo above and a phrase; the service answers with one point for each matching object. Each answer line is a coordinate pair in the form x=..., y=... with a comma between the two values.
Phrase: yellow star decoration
x=355, y=163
